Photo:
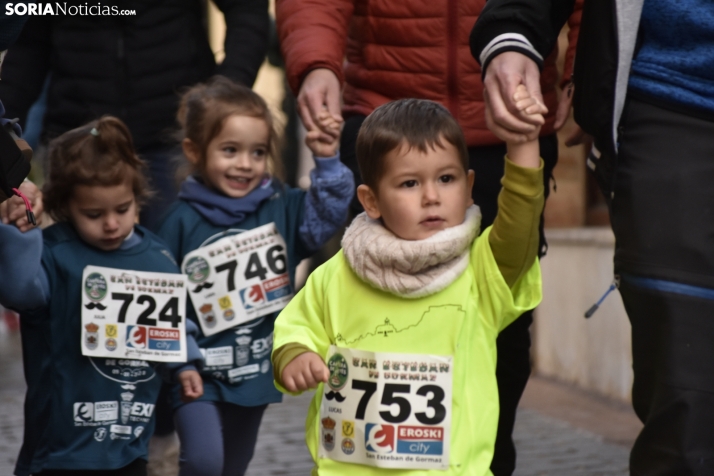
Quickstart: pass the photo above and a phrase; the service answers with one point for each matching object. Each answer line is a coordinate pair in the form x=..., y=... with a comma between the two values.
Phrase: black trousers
x=513, y=345
x=663, y=218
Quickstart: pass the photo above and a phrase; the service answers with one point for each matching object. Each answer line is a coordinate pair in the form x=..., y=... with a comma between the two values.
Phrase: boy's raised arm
x=515, y=234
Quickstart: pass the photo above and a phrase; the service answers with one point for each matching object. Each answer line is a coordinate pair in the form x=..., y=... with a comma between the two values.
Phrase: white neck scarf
x=409, y=268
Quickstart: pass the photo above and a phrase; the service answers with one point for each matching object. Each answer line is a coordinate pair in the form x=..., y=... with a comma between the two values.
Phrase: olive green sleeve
x=514, y=237
x=283, y=356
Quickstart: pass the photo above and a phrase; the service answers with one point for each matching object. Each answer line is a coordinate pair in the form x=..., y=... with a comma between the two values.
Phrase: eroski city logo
x=252, y=296
x=136, y=337
x=379, y=438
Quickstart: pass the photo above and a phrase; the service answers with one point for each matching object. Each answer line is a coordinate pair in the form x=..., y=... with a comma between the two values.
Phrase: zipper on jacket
x=452, y=52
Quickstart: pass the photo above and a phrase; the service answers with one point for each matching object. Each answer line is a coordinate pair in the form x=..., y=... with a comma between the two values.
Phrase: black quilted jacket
x=132, y=67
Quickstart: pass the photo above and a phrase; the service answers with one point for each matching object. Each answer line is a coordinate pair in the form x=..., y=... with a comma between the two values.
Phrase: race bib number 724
x=133, y=314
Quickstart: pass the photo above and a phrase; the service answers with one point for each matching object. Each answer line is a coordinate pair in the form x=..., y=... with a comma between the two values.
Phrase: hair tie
x=94, y=132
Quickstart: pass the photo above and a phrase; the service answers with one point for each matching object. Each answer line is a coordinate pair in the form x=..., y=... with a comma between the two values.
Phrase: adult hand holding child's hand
x=505, y=74
x=323, y=137
x=304, y=372
x=320, y=90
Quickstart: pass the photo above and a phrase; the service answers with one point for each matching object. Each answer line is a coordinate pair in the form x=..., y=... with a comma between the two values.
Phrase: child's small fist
x=304, y=372
x=191, y=385
x=323, y=140
x=528, y=104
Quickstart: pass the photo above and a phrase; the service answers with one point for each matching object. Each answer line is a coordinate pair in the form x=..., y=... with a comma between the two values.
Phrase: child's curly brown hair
x=99, y=153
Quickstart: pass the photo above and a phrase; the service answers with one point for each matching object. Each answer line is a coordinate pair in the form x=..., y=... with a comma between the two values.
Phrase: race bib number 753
x=387, y=410
x=133, y=314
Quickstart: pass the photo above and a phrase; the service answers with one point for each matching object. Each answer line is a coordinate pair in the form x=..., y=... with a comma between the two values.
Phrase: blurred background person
x=131, y=67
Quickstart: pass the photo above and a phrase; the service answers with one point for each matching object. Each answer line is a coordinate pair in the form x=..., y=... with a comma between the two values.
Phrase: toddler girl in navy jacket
x=234, y=208
x=88, y=414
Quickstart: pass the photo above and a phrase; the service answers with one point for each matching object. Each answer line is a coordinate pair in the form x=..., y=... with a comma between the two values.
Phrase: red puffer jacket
x=384, y=50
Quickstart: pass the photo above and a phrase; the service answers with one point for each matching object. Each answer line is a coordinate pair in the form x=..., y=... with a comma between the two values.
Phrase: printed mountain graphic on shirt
x=433, y=316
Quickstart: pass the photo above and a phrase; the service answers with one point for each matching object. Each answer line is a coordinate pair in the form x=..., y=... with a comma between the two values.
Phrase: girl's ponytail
x=113, y=137
x=100, y=153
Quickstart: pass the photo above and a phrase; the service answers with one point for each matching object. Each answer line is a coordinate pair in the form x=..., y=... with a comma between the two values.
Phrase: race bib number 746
x=133, y=314
x=387, y=410
x=238, y=278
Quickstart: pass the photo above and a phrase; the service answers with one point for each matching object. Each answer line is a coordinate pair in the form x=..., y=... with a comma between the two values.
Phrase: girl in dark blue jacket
x=89, y=414
x=229, y=140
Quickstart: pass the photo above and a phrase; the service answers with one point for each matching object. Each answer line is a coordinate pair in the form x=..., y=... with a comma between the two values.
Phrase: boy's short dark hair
x=415, y=122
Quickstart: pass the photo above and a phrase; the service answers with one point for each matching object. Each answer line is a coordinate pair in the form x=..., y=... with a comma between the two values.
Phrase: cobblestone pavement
x=546, y=445
x=281, y=448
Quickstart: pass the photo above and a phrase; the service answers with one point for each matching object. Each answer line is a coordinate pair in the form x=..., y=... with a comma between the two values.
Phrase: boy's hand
x=529, y=105
x=191, y=385
x=323, y=138
x=526, y=152
x=13, y=209
x=304, y=372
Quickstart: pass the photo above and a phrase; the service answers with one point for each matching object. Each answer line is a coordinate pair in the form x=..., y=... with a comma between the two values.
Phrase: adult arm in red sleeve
x=313, y=34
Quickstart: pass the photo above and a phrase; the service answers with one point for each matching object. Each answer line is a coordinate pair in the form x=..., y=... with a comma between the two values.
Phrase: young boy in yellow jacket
x=398, y=330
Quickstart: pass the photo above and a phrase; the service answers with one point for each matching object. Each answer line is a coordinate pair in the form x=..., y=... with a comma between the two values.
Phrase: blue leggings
x=217, y=439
